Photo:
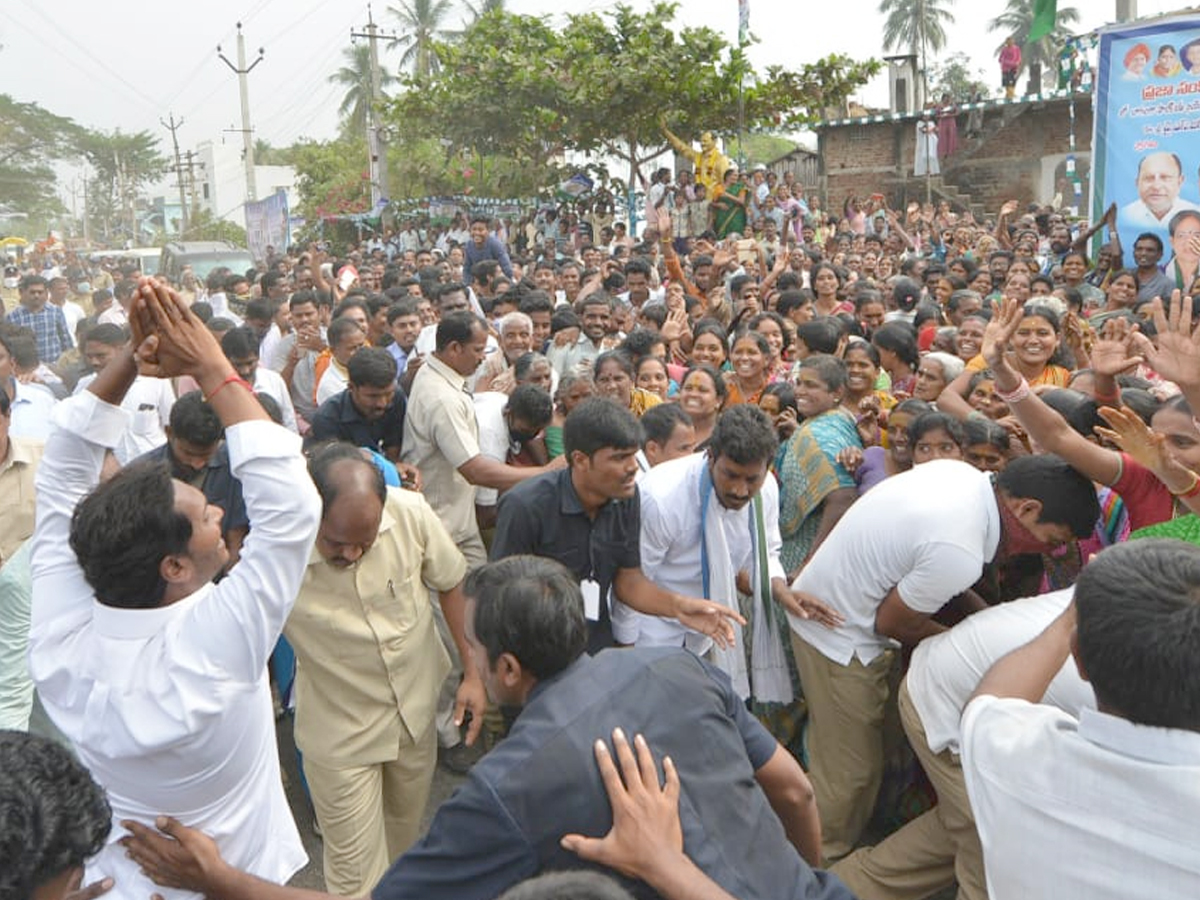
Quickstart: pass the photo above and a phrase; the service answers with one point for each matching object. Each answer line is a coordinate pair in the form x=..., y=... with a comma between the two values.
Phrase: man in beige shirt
x=371, y=664
x=19, y=458
x=441, y=438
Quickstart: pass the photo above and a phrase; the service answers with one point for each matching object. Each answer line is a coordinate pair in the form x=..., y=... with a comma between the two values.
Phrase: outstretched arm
x=1044, y=426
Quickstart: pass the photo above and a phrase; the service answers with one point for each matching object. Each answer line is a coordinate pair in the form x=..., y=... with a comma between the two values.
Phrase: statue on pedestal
x=709, y=161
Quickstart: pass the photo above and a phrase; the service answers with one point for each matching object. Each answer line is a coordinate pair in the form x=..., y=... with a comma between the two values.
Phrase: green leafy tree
x=31, y=140
x=423, y=25
x=331, y=178
x=124, y=164
x=954, y=76
x=516, y=87
x=1042, y=55
x=265, y=154
x=917, y=25
x=355, y=77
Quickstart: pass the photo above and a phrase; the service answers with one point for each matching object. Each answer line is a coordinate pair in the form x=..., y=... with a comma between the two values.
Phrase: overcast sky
x=127, y=63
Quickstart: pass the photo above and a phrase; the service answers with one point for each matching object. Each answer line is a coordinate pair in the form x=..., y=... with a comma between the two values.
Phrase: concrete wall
x=1015, y=159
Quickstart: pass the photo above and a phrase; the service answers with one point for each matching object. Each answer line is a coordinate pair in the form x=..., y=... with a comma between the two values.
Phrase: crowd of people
x=874, y=533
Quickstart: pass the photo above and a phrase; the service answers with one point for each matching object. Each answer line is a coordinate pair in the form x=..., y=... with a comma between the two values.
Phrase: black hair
x=456, y=328
x=300, y=298
x=620, y=357
x=323, y=458
x=563, y=318
x=659, y=422
x=270, y=406
x=531, y=404
x=195, y=421
x=239, y=343
x=864, y=347
x=535, y=302
x=260, y=310
x=901, y=339
x=785, y=392
x=340, y=328
x=567, y=885
x=905, y=293
x=108, y=334
x=979, y=430
x=639, y=342
x=821, y=335
x=121, y=531
x=745, y=435
x=1138, y=631
x=793, y=299
x=400, y=309
x=933, y=420
x=1142, y=402
x=639, y=265
x=372, y=367
x=1067, y=497
x=532, y=608
x=54, y=814
x=1077, y=408
x=599, y=424
x=1150, y=236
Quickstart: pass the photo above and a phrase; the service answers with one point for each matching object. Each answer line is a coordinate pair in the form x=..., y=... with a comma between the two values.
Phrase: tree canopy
x=514, y=85
x=31, y=140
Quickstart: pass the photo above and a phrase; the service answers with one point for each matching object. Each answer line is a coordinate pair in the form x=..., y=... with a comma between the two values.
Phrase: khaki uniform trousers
x=846, y=706
x=932, y=851
x=370, y=814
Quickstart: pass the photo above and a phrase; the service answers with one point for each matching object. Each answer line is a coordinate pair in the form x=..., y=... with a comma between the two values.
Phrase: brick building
x=1021, y=153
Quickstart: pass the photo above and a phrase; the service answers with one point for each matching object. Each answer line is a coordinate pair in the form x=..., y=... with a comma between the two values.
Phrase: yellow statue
x=710, y=162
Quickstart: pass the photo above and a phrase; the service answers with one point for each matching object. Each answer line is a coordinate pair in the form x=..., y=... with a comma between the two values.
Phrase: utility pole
x=191, y=175
x=1126, y=10
x=242, y=71
x=183, y=211
x=376, y=132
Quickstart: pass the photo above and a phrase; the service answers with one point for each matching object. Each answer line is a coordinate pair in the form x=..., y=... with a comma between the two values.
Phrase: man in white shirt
x=156, y=675
x=941, y=846
x=240, y=347
x=148, y=400
x=1103, y=805
x=893, y=561
x=1159, y=180
x=506, y=425
x=681, y=501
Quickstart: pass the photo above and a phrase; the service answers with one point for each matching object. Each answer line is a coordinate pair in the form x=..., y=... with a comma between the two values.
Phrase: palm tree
x=484, y=7
x=421, y=22
x=356, y=77
x=916, y=24
x=1017, y=19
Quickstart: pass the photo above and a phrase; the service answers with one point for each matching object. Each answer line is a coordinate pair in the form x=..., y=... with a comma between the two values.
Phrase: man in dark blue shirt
x=748, y=814
x=483, y=246
x=370, y=412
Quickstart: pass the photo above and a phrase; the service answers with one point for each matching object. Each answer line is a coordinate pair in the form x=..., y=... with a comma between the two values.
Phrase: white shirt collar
x=1169, y=746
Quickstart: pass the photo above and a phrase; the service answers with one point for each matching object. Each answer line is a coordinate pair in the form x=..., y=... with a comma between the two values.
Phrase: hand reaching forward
x=999, y=332
x=708, y=618
x=1113, y=353
x=646, y=828
x=1175, y=352
x=1129, y=432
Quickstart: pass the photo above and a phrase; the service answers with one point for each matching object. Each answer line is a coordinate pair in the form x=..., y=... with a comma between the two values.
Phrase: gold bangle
x=1191, y=490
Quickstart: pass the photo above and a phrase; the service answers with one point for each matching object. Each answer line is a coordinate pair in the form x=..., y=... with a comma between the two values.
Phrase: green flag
x=1044, y=14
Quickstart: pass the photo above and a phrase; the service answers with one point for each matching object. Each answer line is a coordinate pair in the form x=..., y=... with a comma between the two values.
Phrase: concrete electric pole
x=173, y=126
x=241, y=70
x=376, y=132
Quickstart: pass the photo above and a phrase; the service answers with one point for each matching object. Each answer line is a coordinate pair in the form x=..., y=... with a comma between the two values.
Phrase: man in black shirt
x=370, y=412
x=588, y=518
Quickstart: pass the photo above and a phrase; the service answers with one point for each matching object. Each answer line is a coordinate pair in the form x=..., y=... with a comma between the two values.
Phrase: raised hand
x=169, y=339
x=999, y=332
x=1127, y=431
x=1175, y=353
x=1112, y=354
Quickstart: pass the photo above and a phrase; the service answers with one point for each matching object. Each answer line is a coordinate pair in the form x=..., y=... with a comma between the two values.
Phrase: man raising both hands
x=156, y=675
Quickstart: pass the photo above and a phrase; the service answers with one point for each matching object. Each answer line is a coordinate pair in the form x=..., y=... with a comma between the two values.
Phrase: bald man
x=371, y=664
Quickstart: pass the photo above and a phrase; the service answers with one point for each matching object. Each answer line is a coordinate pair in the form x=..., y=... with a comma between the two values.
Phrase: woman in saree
x=814, y=489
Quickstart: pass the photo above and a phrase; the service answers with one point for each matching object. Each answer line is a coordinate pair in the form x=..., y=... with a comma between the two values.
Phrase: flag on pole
x=743, y=22
x=1045, y=14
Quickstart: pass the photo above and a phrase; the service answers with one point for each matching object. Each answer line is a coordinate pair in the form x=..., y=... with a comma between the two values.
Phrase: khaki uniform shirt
x=441, y=434
x=370, y=662
x=16, y=494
